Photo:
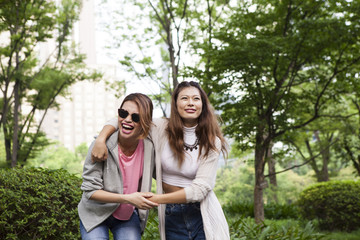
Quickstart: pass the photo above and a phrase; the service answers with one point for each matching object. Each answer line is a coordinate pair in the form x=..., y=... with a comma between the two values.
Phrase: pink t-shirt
x=131, y=169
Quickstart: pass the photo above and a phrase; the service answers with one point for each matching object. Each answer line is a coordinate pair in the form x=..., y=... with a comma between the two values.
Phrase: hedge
x=39, y=203
x=335, y=204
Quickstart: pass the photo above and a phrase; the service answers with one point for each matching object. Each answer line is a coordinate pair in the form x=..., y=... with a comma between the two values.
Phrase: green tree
x=146, y=45
x=24, y=80
x=330, y=143
x=315, y=144
x=163, y=36
x=277, y=71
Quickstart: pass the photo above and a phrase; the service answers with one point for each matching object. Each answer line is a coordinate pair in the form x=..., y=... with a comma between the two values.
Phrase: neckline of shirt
x=129, y=158
x=189, y=129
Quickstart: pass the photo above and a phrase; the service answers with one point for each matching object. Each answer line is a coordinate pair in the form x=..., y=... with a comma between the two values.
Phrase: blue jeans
x=184, y=221
x=121, y=230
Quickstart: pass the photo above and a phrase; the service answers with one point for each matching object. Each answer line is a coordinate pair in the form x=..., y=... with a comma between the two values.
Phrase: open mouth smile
x=126, y=128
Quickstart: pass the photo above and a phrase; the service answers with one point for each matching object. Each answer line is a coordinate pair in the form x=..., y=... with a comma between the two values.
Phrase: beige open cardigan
x=214, y=221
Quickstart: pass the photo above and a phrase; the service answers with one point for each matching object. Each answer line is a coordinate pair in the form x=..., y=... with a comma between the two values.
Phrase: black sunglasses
x=123, y=114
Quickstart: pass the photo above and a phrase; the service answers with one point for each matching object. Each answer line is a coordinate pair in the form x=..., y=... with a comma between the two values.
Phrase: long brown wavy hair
x=207, y=129
x=145, y=106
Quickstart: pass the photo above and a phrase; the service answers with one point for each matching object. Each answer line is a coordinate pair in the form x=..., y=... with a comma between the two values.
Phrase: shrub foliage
x=247, y=229
x=272, y=210
x=336, y=204
x=38, y=203
x=151, y=231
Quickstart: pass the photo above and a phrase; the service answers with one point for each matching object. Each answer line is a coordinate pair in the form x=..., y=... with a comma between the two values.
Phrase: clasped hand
x=140, y=200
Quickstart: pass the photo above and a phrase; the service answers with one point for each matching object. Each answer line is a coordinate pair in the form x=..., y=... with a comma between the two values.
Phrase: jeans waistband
x=184, y=204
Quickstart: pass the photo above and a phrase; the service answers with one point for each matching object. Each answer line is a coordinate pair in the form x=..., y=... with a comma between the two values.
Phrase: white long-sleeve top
x=172, y=173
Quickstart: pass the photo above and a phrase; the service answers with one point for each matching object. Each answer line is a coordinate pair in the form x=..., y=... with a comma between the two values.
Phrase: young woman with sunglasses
x=116, y=192
x=187, y=147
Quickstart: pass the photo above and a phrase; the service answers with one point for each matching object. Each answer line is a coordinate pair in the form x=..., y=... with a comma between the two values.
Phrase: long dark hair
x=207, y=129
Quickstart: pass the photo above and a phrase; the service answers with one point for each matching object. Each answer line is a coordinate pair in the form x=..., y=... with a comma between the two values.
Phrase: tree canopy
x=29, y=83
x=277, y=66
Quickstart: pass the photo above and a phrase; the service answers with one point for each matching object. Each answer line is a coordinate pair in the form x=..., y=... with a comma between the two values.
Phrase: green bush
x=243, y=209
x=271, y=210
x=335, y=204
x=37, y=203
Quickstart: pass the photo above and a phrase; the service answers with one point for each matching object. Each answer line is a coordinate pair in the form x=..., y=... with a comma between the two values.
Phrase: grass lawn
x=343, y=235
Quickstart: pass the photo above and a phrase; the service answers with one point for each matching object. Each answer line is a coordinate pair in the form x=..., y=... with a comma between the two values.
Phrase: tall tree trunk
x=4, y=116
x=260, y=184
x=272, y=176
x=15, y=141
x=7, y=145
x=313, y=162
x=174, y=67
x=325, y=154
x=324, y=177
x=15, y=138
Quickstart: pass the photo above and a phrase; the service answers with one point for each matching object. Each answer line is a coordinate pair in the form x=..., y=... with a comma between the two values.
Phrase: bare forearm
x=106, y=132
x=108, y=197
x=137, y=199
x=174, y=197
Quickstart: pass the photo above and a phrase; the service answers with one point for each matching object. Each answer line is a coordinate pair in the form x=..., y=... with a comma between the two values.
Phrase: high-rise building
x=89, y=104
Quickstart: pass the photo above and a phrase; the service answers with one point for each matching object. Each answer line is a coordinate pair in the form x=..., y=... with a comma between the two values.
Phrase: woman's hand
x=99, y=152
x=178, y=196
x=140, y=200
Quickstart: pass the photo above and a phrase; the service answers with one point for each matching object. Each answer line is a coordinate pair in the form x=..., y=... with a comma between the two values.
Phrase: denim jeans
x=121, y=230
x=183, y=221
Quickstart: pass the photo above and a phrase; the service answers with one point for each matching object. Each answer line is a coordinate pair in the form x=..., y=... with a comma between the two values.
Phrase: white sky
x=104, y=39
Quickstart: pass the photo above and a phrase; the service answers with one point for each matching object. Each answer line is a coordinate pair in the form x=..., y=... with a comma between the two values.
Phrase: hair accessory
x=191, y=147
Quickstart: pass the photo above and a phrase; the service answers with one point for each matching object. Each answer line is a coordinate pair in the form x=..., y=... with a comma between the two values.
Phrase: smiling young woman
x=111, y=199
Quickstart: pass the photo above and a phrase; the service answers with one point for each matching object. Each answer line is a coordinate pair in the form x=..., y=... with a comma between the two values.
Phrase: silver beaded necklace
x=191, y=147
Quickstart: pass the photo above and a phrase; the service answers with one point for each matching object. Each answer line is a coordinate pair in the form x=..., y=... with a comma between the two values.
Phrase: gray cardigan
x=107, y=176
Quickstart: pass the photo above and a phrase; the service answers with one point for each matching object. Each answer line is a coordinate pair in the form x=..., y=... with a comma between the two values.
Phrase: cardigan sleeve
x=92, y=175
x=113, y=122
x=205, y=178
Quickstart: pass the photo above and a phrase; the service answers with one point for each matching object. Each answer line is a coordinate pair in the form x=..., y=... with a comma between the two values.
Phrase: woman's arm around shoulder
x=99, y=152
